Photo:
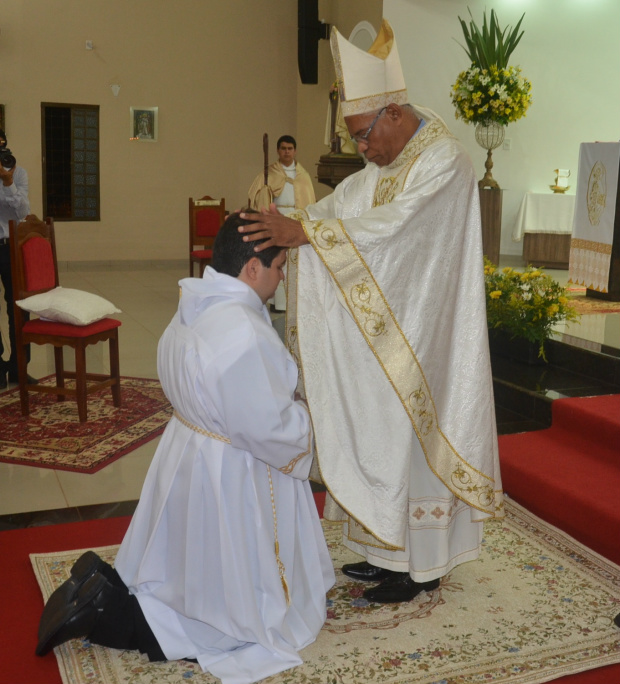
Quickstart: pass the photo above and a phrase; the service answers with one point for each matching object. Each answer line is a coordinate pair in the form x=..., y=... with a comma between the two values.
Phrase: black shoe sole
x=76, y=619
x=83, y=569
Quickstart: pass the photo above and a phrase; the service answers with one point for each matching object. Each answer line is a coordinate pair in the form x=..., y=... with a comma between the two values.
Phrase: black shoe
x=397, y=588
x=84, y=567
x=3, y=382
x=617, y=620
x=366, y=572
x=77, y=618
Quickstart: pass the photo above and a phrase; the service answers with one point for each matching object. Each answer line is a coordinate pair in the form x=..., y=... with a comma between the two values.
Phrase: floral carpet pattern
x=52, y=436
x=591, y=305
x=535, y=606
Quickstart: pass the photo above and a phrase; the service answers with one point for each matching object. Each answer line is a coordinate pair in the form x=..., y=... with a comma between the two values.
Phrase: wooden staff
x=266, y=155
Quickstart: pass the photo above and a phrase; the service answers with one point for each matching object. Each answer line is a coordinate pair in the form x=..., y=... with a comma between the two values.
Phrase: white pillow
x=65, y=305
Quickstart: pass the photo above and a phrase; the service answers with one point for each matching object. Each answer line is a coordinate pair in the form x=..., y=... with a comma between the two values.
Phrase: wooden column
x=491, y=215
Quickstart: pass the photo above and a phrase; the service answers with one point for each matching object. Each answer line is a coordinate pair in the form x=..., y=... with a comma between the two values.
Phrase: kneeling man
x=225, y=560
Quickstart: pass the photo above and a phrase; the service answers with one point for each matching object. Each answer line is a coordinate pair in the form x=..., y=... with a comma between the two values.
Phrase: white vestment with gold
x=386, y=316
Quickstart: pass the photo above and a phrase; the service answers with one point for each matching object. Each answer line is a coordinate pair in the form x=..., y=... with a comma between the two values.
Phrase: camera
x=7, y=160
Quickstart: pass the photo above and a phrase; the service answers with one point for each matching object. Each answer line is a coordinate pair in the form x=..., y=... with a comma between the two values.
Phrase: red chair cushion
x=38, y=264
x=39, y=326
x=202, y=254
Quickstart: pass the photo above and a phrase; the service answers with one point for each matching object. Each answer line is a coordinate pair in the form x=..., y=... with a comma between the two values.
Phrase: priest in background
x=288, y=186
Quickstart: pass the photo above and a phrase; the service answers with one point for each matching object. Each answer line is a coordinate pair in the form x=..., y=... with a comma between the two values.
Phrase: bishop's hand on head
x=274, y=228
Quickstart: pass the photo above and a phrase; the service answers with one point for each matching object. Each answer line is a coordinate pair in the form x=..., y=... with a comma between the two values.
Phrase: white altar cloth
x=544, y=213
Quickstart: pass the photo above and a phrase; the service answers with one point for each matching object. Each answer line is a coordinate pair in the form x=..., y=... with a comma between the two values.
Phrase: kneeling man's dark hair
x=231, y=253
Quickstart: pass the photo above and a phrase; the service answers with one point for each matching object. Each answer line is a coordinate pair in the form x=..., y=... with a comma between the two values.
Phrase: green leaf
x=490, y=45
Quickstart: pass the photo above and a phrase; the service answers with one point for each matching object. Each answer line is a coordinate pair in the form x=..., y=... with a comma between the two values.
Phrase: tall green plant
x=491, y=46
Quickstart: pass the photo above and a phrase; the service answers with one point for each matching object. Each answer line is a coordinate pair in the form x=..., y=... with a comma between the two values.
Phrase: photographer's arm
x=14, y=191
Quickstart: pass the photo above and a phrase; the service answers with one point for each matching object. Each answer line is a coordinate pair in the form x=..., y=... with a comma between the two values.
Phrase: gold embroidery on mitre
x=371, y=103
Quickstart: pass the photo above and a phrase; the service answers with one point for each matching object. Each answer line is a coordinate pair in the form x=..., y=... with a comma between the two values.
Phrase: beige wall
x=221, y=72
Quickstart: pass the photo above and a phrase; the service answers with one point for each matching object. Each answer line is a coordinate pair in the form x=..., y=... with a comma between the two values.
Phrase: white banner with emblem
x=595, y=214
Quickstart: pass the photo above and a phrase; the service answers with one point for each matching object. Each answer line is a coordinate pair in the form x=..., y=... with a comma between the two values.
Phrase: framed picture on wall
x=143, y=124
x=2, y=118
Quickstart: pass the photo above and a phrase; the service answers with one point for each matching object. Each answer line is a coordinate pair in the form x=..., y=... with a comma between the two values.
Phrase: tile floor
x=148, y=298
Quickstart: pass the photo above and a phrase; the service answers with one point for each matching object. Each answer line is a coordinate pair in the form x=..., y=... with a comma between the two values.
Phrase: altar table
x=545, y=223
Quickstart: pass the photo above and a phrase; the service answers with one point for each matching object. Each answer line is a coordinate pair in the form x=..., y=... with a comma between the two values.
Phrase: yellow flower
x=496, y=294
x=553, y=309
x=563, y=300
x=506, y=270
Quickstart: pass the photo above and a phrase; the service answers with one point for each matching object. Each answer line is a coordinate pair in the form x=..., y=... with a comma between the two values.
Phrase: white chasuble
x=227, y=480
x=389, y=326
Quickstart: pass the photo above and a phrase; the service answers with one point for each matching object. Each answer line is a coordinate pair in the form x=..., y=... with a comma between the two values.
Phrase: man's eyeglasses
x=364, y=138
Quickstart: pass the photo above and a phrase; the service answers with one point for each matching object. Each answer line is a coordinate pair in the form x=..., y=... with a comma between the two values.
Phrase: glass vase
x=489, y=135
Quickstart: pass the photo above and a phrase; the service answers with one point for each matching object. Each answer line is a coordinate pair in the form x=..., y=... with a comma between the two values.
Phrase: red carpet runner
x=22, y=602
x=569, y=474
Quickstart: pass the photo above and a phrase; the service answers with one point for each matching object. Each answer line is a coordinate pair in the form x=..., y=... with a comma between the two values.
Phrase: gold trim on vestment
x=290, y=466
x=590, y=246
x=199, y=430
x=362, y=535
x=291, y=339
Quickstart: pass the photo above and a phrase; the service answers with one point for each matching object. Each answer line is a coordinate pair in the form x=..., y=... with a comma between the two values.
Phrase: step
x=571, y=482
x=524, y=394
x=596, y=417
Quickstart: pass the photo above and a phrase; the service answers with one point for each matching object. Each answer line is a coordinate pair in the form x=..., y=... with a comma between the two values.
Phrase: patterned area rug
x=535, y=606
x=591, y=305
x=53, y=437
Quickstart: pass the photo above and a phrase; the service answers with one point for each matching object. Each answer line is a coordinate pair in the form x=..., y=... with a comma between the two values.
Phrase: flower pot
x=515, y=348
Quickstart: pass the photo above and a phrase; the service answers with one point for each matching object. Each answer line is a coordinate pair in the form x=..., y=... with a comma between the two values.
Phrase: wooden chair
x=206, y=216
x=35, y=271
